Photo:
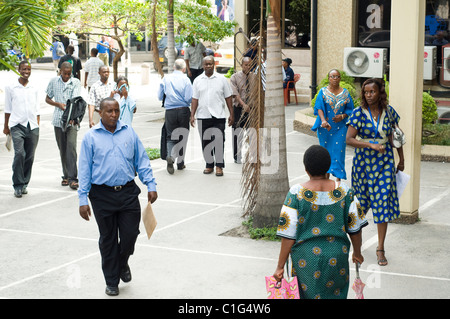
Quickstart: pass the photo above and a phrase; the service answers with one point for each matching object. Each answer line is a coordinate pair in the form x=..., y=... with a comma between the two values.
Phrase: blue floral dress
x=319, y=223
x=373, y=173
x=333, y=140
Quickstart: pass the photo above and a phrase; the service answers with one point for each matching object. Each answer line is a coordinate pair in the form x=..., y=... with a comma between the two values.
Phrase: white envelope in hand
x=8, y=142
x=402, y=180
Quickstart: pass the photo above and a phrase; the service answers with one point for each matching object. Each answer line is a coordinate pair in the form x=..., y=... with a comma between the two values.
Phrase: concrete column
x=406, y=87
x=336, y=30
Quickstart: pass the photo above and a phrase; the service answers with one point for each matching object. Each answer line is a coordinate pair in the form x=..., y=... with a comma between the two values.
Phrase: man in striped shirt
x=99, y=91
x=59, y=90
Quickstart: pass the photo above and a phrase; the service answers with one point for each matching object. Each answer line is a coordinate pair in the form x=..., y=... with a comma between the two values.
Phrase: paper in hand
x=402, y=180
x=149, y=220
x=8, y=142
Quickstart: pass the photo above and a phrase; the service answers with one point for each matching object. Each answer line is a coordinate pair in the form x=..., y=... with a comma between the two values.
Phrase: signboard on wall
x=374, y=23
x=374, y=15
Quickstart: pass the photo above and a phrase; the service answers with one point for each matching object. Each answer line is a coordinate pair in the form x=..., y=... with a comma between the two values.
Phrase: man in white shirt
x=212, y=94
x=22, y=122
x=193, y=56
x=91, y=68
x=99, y=91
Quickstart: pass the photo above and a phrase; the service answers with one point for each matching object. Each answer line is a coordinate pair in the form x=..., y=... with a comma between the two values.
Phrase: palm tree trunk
x=274, y=182
x=154, y=42
x=170, y=37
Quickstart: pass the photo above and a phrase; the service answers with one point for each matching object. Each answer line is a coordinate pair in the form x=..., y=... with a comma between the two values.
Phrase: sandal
x=65, y=182
x=382, y=261
x=74, y=185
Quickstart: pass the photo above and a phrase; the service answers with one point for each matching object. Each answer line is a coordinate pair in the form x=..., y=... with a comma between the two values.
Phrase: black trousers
x=67, y=145
x=25, y=141
x=118, y=214
x=212, y=135
x=177, y=132
x=194, y=74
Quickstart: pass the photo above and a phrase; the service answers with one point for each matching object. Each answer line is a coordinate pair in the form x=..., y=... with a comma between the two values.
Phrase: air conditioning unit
x=446, y=63
x=429, y=63
x=365, y=62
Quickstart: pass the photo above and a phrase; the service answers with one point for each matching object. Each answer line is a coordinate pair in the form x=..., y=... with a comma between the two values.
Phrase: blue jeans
x=25, y=141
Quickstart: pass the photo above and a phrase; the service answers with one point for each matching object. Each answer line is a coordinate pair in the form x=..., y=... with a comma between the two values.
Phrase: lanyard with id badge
x=373, y=125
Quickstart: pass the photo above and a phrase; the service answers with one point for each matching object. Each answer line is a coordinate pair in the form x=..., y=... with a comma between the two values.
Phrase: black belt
x=177, y=108
x=116, y=188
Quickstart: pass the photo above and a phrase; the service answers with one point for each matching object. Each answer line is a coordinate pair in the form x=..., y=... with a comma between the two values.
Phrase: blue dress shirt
x=101, y=48
x=112, y=159
x=178, y=90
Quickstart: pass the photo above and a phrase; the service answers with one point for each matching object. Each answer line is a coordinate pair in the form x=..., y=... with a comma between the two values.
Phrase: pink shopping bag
x=286, y=289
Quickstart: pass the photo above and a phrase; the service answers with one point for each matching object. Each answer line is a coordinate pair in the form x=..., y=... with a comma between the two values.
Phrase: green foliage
x=26, y=25
x=347, y=82
x=266, y=233
x=440, y=136
x=101, y=17
x=153, y=153
x=194, y=18
x=229, y=73
x=429, y=109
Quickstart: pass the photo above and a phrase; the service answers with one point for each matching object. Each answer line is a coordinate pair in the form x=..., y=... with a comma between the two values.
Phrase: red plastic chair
x=287, y=90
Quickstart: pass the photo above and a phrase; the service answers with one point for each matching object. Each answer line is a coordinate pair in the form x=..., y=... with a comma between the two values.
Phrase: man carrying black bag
x=59, y=91
x=74, y=113
x=176, y=90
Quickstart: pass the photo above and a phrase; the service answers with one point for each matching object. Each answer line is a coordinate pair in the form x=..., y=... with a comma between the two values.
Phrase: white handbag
x=397, y=138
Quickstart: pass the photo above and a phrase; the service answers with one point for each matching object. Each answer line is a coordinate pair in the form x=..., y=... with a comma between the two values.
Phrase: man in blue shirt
x=111, y=154
x=57, y=49
x=103, y=50
x=177, y=89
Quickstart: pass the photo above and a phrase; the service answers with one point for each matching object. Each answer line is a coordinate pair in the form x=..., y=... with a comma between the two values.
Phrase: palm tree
x=170, y=36
x=270, y=189
x=26, y=24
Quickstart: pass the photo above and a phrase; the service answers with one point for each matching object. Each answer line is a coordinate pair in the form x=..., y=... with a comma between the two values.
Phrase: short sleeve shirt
x=195, y=55
x=211, y=93
x=62, y=92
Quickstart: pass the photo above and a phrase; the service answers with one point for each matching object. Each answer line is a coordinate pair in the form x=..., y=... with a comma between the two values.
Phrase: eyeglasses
x=335, y=76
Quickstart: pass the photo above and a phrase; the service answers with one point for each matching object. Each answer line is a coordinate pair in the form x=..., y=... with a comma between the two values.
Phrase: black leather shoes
x=18, y=193
x=125, y=274
x=170, y=168
x=112, y=291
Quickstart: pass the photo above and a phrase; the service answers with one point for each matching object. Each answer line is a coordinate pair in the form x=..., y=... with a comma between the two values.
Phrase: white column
x=406, y=87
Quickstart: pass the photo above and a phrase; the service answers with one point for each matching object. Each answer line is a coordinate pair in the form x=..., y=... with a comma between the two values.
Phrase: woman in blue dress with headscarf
x=333, y=105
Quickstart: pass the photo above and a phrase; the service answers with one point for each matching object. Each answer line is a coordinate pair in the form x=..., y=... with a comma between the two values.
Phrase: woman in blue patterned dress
x=314, y=223
x=333, y=105
x=373, y=172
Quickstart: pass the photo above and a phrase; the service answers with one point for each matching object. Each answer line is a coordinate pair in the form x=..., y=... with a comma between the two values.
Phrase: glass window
x=297, y=23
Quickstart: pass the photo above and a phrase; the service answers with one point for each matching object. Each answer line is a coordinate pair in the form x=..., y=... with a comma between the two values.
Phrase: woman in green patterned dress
x=373, y=171
x=314, y=222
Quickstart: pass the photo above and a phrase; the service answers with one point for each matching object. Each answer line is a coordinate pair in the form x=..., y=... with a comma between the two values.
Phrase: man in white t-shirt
x=212, y=94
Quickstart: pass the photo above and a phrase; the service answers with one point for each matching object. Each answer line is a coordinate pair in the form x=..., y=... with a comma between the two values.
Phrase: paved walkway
x=48, y=251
